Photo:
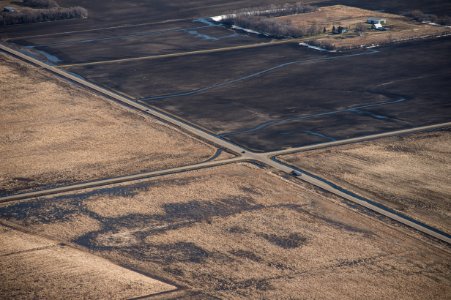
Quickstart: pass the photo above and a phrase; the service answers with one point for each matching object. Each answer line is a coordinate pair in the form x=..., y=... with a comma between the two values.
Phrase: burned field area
x=320, y=96
x=112, y=13
x=239, y=232
x=166, y=78
x=325, y=96
x=332, y=98
x=132, y=41
x=409, y=173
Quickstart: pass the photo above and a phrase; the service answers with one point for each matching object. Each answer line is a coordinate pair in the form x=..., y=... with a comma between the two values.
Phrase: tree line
x=420, y=16
x=274, y=27
x=262, y=19
x=41, y=11
x=274, y=10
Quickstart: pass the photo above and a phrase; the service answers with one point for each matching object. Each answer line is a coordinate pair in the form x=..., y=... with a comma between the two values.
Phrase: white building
x=378, y=26
x=373, y=21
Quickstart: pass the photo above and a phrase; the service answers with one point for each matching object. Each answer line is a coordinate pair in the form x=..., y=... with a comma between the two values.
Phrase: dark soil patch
x=293, y=240
x=246, y=254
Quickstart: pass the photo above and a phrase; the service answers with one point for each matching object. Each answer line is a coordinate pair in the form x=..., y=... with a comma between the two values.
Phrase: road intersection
x=242, y=154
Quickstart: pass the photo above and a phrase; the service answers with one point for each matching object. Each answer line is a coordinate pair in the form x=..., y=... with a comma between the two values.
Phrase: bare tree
x=420, y=16
x=274, y=10
x=30, y=15
x=275, y=28
x=361, y=28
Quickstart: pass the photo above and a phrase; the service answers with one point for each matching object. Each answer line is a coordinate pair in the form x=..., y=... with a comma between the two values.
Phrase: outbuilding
x=339, y=30
x=378, y=26
x=374, y=20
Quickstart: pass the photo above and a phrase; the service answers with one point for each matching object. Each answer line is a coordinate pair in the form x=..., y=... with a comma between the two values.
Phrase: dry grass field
x=240, y=232
x=409, y=173
x=36, y=268
x=399, y=27
x=53, y=133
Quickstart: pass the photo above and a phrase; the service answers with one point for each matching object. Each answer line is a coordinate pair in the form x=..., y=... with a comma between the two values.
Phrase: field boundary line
x=367, y=203
x=95, y=29
x=71, y=245
x=358, y=139
x=117, y=180
x=180, y=54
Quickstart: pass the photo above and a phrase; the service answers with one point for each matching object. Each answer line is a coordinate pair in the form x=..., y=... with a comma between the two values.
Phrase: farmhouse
x=339, y=30
x=373, y=21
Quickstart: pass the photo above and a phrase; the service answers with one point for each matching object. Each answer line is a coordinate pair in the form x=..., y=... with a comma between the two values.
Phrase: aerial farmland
x=214, y=149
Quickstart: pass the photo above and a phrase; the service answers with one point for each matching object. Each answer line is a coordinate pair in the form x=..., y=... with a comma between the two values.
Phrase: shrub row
x=261, y=19
x=273, y=27
x=275, y=10
x=42, y=15
x=322, y=44
x=420, y=16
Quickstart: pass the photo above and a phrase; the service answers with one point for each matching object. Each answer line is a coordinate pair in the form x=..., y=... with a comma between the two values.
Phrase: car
x=296, y=173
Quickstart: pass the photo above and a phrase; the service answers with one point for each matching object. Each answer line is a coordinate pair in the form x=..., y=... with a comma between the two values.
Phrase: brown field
x=409, y=173
x=399, y=27
x=53, y=133
x=36, y=268
x=240, y=232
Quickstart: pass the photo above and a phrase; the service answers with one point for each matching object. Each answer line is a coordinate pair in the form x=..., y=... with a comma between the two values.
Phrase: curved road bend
x=245, y=154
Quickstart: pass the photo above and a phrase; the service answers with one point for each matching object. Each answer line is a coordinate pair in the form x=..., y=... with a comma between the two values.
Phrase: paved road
x=264, y=158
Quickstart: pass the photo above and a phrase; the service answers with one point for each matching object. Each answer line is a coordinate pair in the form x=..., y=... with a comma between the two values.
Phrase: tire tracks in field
x=352, y=109
x=243, y=155
x=250, y=76
x=139, y=34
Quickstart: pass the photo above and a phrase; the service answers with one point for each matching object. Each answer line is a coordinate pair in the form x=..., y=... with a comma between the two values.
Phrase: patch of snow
x=247, y=30
x=51, y=59
x=316, y=48
x=202, y=36
x=222, y=18
x=430, y=23
x=205, y=21
x=248, y=13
